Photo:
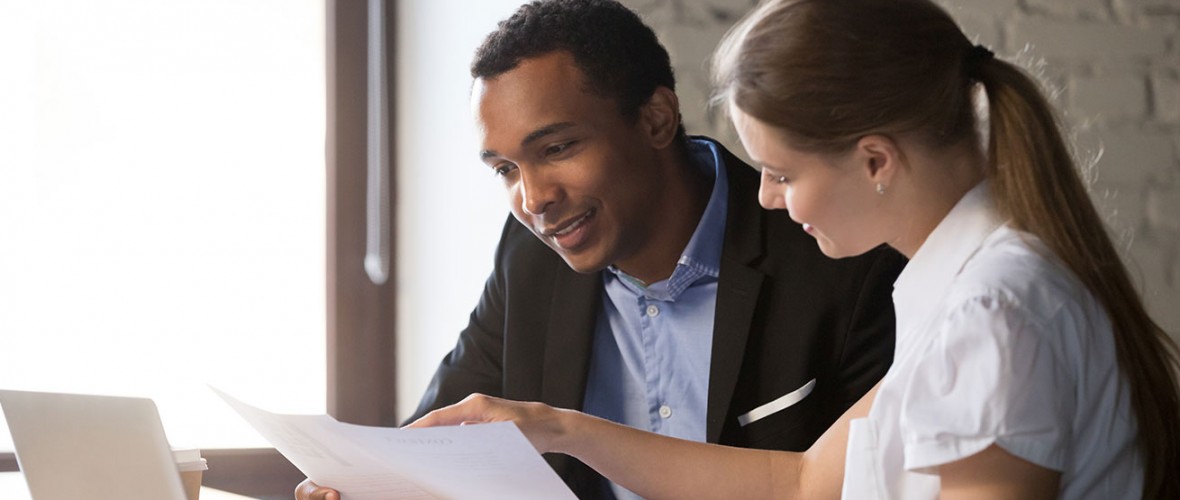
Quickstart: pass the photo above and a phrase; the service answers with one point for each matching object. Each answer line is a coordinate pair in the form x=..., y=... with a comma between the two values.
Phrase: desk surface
x=12, y=487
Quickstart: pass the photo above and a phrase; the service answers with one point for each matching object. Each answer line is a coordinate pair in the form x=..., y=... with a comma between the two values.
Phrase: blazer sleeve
x=869, y=341
x=476, y=362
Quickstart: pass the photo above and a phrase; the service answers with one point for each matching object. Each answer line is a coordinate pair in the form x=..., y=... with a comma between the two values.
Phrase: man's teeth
x=572, y=226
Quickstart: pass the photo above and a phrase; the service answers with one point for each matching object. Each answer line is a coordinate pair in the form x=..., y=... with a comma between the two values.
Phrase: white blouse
x=997, y=343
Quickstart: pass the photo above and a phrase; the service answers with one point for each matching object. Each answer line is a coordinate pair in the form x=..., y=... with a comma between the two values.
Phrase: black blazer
x=786, y=314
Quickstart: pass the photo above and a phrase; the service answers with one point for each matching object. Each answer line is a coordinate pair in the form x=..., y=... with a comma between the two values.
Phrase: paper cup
x=191, y=467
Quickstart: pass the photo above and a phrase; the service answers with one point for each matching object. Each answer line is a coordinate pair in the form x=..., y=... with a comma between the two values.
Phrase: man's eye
x=503, y=169
x=557, y=149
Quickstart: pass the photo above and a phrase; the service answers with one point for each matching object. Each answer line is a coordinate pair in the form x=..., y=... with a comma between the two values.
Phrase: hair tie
x=975, y=56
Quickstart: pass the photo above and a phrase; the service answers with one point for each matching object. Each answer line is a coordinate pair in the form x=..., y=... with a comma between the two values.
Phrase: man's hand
x=308, y=490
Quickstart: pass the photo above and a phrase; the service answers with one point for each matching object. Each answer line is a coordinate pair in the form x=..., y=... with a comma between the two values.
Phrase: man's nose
x=537, y=193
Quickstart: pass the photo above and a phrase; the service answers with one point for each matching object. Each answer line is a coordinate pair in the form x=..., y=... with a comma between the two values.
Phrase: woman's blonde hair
x=828, y=72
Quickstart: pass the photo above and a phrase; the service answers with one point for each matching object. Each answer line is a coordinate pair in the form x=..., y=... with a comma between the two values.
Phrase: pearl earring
x=880, y=188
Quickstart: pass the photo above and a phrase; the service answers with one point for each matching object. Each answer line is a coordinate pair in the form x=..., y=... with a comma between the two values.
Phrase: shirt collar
x=944, y=253
x=704, y=248
x=702, y=255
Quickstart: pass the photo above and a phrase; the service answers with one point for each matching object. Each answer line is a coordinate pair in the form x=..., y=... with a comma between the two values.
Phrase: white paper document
x=377, y=463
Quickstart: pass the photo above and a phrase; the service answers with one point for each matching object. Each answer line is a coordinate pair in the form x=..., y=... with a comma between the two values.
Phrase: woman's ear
x=880, y=159
x=660, y=117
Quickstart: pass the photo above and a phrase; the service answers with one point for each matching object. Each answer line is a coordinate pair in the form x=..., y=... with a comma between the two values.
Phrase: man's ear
x=879, y=158
x=660, y=117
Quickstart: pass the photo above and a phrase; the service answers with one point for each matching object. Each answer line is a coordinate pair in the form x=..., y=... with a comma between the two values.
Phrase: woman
x=1025, y=364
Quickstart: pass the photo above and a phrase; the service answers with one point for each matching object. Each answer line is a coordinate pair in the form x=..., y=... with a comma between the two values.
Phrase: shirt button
x=665, y=411
x=653, y=311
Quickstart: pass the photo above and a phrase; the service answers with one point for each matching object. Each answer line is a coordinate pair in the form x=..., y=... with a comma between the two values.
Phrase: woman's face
x=833, y=196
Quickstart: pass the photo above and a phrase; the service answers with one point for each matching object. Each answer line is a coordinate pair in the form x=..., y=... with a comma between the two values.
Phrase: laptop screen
x=72, y=446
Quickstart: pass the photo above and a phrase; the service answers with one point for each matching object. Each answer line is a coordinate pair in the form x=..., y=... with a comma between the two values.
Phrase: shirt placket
x=649, y=311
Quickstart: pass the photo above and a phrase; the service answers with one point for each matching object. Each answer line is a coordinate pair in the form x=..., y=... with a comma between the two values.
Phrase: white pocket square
x=777, y=405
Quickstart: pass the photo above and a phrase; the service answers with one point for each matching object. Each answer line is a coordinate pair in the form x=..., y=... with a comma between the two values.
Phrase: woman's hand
x=542, y=424
x=651, y=465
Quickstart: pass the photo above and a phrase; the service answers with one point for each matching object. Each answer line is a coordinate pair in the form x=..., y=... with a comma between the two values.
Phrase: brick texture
x=1165, y=92
x=1132, y=159
x=1086, y=40
x=1110, y=97
x=1070, y=9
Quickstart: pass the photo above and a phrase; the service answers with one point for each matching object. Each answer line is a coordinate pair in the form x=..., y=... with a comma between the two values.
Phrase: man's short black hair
x=620, y=57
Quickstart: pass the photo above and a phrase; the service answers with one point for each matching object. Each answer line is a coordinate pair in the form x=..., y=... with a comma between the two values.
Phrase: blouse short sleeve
x=991, y=374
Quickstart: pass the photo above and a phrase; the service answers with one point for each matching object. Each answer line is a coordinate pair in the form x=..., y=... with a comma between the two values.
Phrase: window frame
x=362, y=341
x=361, y=315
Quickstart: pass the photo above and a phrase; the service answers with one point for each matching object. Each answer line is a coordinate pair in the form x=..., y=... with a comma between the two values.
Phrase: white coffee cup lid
x=189, y=460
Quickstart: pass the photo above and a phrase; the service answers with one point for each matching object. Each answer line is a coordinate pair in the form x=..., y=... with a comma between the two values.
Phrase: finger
x=308, y=490
x=322, y=493
x=304, y=490
x=426, y=420
x=471, y=409
x=434, y=419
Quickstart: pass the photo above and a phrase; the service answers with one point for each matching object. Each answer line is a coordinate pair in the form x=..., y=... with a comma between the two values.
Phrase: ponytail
x=828, y=72
x=1037, y=186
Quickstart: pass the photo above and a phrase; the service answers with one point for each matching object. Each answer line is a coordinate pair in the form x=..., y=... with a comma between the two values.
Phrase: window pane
x=162, y=205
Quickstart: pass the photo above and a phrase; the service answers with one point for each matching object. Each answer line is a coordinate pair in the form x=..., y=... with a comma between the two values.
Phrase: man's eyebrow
x=536, y=135
x=533, y=136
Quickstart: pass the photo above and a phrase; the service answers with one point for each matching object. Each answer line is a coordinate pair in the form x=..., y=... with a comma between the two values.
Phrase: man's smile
x=571, y=233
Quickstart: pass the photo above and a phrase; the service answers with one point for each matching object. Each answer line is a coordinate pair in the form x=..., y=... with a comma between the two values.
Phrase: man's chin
x=582, y=264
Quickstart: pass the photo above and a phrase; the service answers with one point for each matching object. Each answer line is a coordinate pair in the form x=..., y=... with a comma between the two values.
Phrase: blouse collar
x=942, y=256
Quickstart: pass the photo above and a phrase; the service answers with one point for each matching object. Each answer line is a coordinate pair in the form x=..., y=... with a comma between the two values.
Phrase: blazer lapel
x=573, y=317
x=569, y=340
x=738, y=288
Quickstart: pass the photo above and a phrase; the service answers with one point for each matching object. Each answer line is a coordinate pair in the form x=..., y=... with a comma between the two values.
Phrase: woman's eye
x=777, y=179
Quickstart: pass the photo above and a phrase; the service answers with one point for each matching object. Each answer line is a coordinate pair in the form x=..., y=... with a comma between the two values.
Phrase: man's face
x=581, y=176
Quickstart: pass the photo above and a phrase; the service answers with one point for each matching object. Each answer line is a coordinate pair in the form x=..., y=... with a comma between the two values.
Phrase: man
x=638, y=279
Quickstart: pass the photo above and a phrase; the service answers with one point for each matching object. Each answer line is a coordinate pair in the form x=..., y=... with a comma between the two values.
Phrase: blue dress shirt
x=653, y=345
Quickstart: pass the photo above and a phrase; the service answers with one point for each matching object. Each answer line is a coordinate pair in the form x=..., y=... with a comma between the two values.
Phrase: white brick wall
x=1142, y=157
x=1085, y=40
x=1115, y=69
x=1117, y=97
x=1069, y=9
x=1165, y=93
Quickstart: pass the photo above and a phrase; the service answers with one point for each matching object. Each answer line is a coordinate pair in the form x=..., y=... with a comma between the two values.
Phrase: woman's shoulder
x=1016, y=270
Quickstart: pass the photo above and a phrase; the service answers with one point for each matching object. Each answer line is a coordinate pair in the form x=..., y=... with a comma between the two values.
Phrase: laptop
x=72, y=446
